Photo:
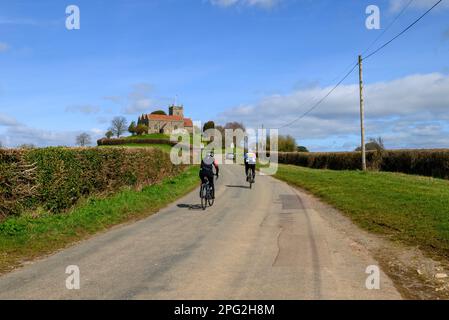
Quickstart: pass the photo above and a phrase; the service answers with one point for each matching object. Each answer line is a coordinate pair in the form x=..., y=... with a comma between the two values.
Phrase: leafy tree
x=160, y=112
x=83, y=139
x=132, y=128
x=208, y=125
x=109, y=134
x=287, y=144
x=119, y=126
x=141, y=129
x=302, y=149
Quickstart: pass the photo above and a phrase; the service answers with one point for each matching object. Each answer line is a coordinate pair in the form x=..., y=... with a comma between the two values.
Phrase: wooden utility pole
x=362, y=115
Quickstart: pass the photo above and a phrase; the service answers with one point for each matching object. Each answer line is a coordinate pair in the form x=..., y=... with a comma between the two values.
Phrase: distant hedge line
x=432, y=163
x=56, y=178
x=118, y=142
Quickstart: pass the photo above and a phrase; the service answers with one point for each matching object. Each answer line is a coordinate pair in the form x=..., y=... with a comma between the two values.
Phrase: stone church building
x=167, y=124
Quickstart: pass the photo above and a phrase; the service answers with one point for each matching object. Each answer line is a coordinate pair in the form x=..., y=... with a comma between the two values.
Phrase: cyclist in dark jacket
x=207, y=171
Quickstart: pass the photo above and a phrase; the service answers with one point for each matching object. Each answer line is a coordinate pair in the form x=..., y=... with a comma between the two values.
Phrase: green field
x=411, y=209
x=26, y=237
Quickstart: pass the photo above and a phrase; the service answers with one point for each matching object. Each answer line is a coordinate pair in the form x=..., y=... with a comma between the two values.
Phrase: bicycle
x=251, y=177
x=206, y=195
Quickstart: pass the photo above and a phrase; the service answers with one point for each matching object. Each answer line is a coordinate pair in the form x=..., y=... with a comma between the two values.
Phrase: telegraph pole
x=362, y=115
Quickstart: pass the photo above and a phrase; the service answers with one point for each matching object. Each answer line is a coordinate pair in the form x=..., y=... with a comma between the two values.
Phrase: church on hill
x=167, y=124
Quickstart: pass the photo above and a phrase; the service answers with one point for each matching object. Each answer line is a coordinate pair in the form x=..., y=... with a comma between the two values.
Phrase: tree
x=302, y=149
x=83, y=139
x=287, y=144
x=27, y=146
x=208, y=125
x=221, y=129
x=132, y=128
x=160, y=112
x=141, y=129
x=237, y=140
x=235, y=125
x=373, y=145
x=119, y=126
x=109, y=134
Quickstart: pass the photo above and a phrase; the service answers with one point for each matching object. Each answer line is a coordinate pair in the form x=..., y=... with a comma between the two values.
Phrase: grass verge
x=25, y=238
x=411, y=209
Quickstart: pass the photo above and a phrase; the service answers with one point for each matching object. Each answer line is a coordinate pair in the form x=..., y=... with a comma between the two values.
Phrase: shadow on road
x=190, y=206
x=241, y=187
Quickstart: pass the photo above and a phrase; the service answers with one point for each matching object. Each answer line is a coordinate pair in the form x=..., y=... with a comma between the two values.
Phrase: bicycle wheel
x=210, y=200
x=249, y=178
x=203, y=195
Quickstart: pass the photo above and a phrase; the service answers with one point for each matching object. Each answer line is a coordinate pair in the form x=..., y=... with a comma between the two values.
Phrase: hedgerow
x=432, y=163
x=57, y=178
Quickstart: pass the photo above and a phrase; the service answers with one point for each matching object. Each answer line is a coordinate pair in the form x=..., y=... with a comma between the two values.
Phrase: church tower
x=176, y=111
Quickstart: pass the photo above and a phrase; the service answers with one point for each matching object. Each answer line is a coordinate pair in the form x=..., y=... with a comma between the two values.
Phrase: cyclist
x=250, y=164
x=207, y=171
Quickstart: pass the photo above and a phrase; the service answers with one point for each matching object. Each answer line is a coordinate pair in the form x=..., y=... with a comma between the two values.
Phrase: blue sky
x=256, y=61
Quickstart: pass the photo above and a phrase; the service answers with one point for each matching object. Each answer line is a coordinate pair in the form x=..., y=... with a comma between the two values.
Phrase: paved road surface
x=265, y=243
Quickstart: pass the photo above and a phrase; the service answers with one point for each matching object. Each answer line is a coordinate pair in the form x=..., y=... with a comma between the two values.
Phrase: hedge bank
x=56, y=178
x=432, y=163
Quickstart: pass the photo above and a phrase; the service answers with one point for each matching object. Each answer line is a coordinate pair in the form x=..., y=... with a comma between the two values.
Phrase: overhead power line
x=403, y=31
x=389, y=26
x=317, y=104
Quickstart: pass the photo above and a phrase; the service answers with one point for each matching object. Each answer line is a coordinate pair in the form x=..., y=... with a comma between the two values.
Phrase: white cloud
x=251, y=3
x=17, y=21
x=4, y=47
x=85, y=109
x=397, y=5
x=15, y=134
x=21, y=134
x=7, y=121
x=138, y=99
x=407, y=112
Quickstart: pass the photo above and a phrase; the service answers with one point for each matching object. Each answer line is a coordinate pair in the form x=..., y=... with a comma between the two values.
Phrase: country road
x=265, y=243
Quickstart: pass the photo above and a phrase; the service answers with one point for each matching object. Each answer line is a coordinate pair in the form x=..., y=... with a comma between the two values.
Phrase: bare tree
x=119, y=126
x=83, y=139
x=27, y=146
x=234, y=126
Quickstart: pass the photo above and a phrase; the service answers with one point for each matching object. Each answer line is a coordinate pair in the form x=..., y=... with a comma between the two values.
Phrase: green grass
x=163, y=147
x=411, y=209
x=150, y=136
x=26, y=237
